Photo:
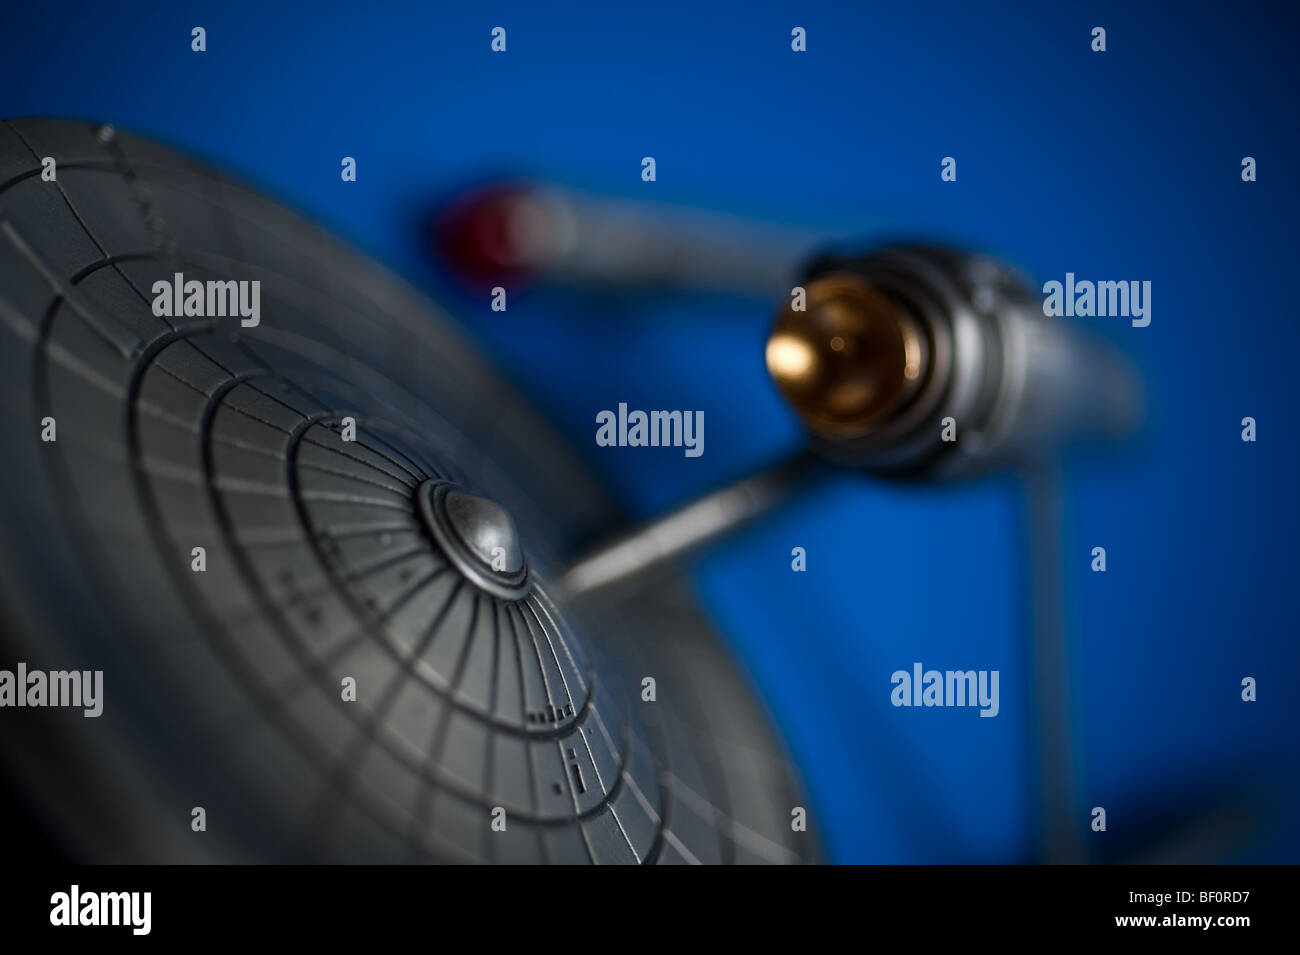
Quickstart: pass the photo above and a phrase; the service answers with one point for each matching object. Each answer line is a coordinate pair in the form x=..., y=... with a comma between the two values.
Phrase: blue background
x=1122, y=165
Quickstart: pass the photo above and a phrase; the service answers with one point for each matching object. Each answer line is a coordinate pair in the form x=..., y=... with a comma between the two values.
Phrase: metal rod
x=686, y=528
x=1059, y=821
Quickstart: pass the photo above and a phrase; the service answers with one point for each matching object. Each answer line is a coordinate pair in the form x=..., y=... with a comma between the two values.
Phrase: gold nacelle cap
x=851, y=359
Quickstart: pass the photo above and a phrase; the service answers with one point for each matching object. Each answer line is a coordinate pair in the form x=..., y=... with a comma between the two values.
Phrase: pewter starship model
x=411, y=561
